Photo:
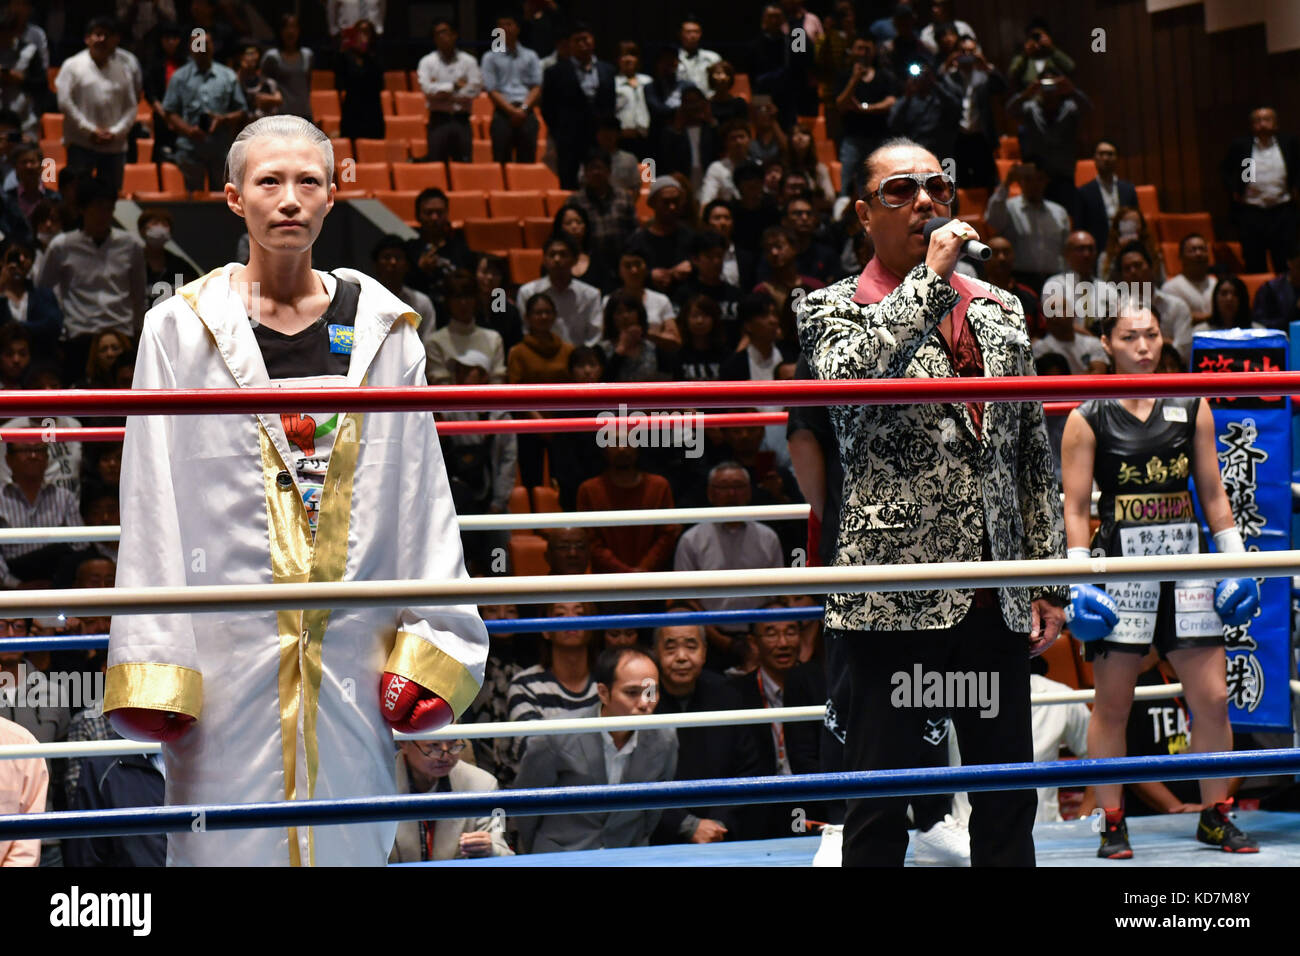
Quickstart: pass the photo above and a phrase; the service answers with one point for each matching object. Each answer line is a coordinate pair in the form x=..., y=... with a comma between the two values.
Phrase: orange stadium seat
x=835, y=169
x=368, y=177
x=395, y=80
x=404, y=128
x=525, y=265
x=410, y=104
x=530, y=176
x=546, y=500
x=819, y=129
x=479, y=127
x=528, y=554
x=144, y=151
x=482, y=151
x=973, y=201
x=465, y=204
x=555, y=198
x=1008, y=147
x=322, y=80
x=504, y=204
x=1173, y=226
x=51, y=126
x=643, y=211
x=1148, y=201
x=330, y=123
x=1254, y=282
x=342, y=149
x=484, y=176
x=537, y=229
x=1229, y=256
x=493, y=235
x=139, y=178
x=1085, y=171
x=173, y=185
x=380, y=150
x=401, y=202
x=420, y=176
x=482, y=106
x=825, y=150
x=419, y=148
x=740, y=86
x=1169, y=254
x=55, y=150
x=326, y=102
x=386, y=102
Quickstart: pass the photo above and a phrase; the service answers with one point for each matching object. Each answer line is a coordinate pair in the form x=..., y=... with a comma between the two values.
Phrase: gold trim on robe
x=154, y=686
x=416, y=659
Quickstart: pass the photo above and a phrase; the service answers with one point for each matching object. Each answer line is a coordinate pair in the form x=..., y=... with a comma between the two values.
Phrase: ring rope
x=649, y=796
x=637, y=586
x=561, y=397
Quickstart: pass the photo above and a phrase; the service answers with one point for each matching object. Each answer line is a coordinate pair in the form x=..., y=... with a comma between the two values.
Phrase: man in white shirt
x=450, y=79
x=1260, y=173
x=941, y=12
x=98, y=275
x=717, y=178
x=577, y=304
x=1073, y=292
x=1036, y=226
x=345, y=14
x=1083, y=352
x=693, y=63
x=98, y=90
x=1194, y=285
x=728, y=546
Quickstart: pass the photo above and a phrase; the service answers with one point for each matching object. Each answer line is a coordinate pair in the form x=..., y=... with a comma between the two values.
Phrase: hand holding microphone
x=949, y=239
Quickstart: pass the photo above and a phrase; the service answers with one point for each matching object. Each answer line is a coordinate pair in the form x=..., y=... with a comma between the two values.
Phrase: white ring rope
x=574, y=725
x=638, y=586
x=515, y=521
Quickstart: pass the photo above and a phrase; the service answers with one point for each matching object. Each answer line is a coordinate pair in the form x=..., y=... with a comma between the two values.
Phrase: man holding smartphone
x=866, y=96
x=205, y=107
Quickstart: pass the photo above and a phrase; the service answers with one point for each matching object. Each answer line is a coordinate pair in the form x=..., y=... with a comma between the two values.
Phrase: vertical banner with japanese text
x=1253, y=438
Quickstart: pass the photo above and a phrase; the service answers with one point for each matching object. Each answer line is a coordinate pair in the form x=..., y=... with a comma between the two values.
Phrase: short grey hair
x=277, y=127
x=726, y=466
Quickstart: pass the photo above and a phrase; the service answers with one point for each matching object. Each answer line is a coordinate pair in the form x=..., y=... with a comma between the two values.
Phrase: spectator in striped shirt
x=29, y=501
x=561, y=685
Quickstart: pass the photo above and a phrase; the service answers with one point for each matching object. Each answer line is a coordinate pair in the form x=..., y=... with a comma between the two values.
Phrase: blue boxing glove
x=1091, y=614
x=1236, y=600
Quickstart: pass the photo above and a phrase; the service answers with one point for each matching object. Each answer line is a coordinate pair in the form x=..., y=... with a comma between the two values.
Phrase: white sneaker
x=830, y=850
x=947, y=843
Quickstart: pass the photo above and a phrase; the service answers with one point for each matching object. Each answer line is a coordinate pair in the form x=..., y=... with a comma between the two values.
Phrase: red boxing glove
x=410, y=707
x=814, y=541
x=150, y=726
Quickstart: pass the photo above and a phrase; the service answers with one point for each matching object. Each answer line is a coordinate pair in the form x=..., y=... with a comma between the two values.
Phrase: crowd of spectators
x=744, y=219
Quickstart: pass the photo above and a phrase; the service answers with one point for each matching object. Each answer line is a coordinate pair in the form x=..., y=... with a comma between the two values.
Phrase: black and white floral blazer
x=919, y=482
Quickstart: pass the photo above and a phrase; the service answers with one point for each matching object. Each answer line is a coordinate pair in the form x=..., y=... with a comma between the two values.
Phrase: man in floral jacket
x=934, y=482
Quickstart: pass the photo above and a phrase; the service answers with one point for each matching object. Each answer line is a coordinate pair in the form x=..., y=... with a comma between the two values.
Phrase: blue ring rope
x=650, y=796
x=524, y=625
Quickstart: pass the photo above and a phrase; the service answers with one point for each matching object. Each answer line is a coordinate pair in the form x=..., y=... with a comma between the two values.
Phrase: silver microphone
x=971, y=248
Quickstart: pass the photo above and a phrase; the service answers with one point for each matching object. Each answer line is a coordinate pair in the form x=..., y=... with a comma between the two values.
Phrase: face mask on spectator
x=1128, y=229
x=157, y=235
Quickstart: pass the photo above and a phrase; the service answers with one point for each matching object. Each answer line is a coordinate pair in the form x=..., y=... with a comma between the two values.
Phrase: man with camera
x=866, y=95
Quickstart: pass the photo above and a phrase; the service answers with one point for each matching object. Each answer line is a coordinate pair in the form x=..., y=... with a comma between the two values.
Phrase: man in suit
x=576, y=92
x=775, y=646
x=1260, y=174
x=434, y=766
x=974, y=80
x=1277, y=303
x=690, y=144
x=703, y=752
x=934, y=482
x=1099, y=199
x=627, y=683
